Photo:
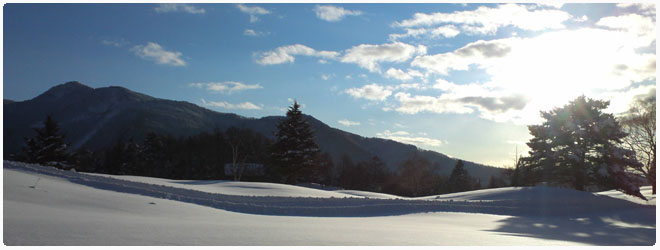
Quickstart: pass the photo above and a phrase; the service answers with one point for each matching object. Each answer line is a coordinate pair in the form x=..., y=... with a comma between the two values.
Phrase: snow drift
x=536, y=201
x=43, y=205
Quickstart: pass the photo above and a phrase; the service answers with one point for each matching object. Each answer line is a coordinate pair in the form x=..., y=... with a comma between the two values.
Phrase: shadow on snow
x=595, y=230
x=538, y=218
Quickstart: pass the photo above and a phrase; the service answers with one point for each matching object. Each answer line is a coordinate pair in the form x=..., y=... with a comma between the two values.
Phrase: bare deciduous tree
x=639, y=123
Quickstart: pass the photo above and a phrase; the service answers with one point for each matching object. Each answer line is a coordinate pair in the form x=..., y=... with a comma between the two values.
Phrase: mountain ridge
x=97, y=117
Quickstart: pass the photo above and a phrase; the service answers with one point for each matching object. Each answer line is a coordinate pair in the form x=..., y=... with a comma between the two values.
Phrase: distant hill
x=6, y=101
x=97, y=118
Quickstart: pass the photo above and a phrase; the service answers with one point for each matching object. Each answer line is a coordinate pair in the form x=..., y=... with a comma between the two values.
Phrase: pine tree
x=295, y=153
x=577, y=146
x=324, y=168
x=152, y=157
x=460, y=180
x=48, y=147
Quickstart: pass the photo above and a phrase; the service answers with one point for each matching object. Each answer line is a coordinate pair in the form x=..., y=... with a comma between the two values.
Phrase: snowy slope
x=253, y=188
x=235, y=188
x=647, y=191
x=68, y=208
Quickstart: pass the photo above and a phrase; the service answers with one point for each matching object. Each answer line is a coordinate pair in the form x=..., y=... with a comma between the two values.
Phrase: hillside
x=97, y=118
x=48, y=206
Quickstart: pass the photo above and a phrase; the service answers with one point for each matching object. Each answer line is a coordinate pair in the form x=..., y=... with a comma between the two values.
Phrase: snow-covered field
x=47, y=206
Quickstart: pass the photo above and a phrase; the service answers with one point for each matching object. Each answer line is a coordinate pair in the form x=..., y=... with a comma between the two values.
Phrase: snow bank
x=370, y=194
x=47, y=206
x=647, y=191
x=532, y=201
x=235, y=188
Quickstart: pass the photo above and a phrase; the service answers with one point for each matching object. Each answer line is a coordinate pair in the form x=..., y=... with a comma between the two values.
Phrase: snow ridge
x=333, y=207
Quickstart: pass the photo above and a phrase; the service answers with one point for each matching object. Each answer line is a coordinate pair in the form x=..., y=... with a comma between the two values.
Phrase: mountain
x=97, y=118
x=6, y=101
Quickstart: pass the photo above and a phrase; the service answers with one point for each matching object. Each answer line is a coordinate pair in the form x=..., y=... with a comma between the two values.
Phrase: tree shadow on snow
x=533, y=219
x=634, y=228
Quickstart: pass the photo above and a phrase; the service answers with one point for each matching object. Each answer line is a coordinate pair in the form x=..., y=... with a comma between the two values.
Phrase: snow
x=235, y=188
x=254, y=188
x=47, y=206
x=370, y=194
x=646, y=191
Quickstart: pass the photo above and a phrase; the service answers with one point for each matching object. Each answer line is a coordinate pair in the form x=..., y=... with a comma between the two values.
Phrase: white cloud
x=647, y=9
x=397, y=74
x=481, y=53
x=179, y=7
x=253, y=11
x=497, y=108
x=541, y=72
x=372, y=92
x=402, y=75
x=415, y=104
x=285, y=54
x=581, y=19
x=556, y=5
x=251, y=32
x=405, y=137
x=348, y=123
x=487, y=20
x=154, y=52
x=196, y=85
x=447, y=31
x=226, y=105
x=332, y=13
x=409, y=33
x=225, y=87
x=462, y=99
x=369, y=56
x=641, y=27
x=416, y=86
x=326, y=77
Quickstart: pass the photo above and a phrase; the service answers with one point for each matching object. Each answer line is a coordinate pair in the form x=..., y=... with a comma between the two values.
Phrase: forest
x=578, y=146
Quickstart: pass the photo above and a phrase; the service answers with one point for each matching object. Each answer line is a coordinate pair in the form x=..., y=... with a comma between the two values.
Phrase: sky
x=461, y=79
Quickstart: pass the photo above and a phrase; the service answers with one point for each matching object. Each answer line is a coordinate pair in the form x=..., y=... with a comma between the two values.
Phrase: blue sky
x=460, y=79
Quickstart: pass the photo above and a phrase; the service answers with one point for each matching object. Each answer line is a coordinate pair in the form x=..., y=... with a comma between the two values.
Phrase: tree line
x=581, y=147
x=577, y=146
x=292, y=158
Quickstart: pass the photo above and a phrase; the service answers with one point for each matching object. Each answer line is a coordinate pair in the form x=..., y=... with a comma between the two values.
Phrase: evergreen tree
x=152, y=156
x=495, y=182
x=324, y=168
x=459, y=180
x=48, y=147
x=576, y=146
x=377, y=174
x=85, y=160
x=294, y=152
